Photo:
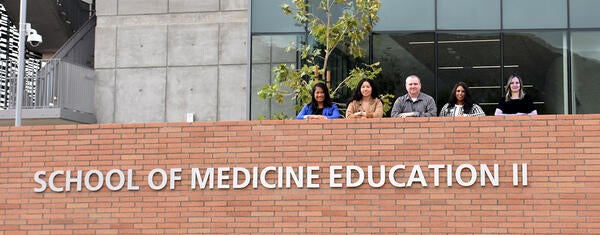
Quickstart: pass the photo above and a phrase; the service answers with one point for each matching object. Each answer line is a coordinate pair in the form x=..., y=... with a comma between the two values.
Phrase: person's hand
x=315, y=117
x=360, y=114
x=410, y=114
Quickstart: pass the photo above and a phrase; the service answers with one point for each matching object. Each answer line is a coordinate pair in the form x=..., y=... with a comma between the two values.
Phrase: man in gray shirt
x=414, y=103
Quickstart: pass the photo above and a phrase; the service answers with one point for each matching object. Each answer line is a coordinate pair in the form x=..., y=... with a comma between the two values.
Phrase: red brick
x=560, y=150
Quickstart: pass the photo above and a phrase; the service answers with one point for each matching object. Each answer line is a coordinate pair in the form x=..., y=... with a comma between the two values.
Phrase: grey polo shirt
x=424, y=106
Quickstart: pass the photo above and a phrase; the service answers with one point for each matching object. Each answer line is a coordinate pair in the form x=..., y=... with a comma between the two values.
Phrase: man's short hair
x=412, y=76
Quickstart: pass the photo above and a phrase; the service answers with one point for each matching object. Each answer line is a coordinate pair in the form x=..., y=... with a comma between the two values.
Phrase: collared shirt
x=424, y=106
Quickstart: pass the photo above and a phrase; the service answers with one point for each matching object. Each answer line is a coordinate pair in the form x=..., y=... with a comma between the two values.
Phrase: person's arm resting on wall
x=475, y=111
x=396, y=109
x=351, y=110
x=444, y=111
x=331, y=112
x=499, y=112
x=430, y=108
x=378, y=110
x=305, y=111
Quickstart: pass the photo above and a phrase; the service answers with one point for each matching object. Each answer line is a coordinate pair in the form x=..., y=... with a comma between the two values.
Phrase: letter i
x=516, y=174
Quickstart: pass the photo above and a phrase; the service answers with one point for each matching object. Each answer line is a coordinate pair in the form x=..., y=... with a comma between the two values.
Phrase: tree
x=347, y=31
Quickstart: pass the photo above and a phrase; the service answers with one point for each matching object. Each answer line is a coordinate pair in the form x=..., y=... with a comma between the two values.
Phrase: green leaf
x=286, y=9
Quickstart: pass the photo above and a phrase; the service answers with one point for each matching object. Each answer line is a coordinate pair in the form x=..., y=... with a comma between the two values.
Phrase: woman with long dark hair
x=364, y=102
x=461, y=103
x=321, y=106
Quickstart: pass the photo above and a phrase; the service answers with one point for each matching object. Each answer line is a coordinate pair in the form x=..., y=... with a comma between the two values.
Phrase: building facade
x=158, y=60
x=436, y=175
x=551, y=44
x=161, y=60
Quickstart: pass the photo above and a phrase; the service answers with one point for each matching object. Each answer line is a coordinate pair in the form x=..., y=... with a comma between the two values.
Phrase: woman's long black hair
x=326, y=103
x=358, y=95
x=468, y=100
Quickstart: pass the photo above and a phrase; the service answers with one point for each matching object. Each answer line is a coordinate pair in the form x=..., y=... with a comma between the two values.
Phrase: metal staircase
x=61, y=89
x=55, y=20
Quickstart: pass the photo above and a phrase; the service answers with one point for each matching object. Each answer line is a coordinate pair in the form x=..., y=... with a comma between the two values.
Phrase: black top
x=318, y=112
x=524, y=105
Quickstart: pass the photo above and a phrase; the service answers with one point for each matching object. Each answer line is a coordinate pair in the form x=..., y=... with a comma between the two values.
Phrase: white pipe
x=21, y=68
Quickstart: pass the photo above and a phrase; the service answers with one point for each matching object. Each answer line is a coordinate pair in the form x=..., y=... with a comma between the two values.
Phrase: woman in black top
x=515, y=102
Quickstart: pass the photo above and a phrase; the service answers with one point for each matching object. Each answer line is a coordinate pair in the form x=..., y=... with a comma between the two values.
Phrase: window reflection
x=585, y=60
x=267, y=52
x=401, y=55
x=473, y=58
x=468, y=14
x=541, y=57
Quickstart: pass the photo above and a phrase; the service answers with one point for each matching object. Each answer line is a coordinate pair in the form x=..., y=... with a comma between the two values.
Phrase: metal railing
x=57, y=84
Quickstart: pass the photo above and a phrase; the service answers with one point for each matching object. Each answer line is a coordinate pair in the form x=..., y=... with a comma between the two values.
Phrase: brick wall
x=562, y=153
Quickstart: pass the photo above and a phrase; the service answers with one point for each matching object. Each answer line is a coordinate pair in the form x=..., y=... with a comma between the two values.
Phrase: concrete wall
x=157, y=60
x=562, y=195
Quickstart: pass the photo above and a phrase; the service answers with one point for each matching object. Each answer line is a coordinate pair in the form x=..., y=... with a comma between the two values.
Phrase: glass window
x=473, y=58
x=267, y=52
x=406, y=15
x=585, y=60
x=468, y=14
x=337, y=10
x=540, y=59
x=401, y=55
x=520, y=14
x=584, y=13
x=267, y=17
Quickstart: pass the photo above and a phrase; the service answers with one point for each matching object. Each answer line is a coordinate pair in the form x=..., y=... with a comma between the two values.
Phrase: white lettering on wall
x=174, y=177
x=359, y=181
x=70, y=180
x=236, y=177
x=263, y=177
x=472, y=172
x=436, y=173
x=312, y=174
x=392, y=177
x=371, y=179
x=485, y=171
x=333, y=176
x=38, y=179
x=88, y=184
x=295, y=176
x=130, y=185
x=222, y=177
x=51, y=181
x=163, y=181
x=416, y=175
x=209, y=177
x=280, y=177
x=516, y=174
x=120, y=176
